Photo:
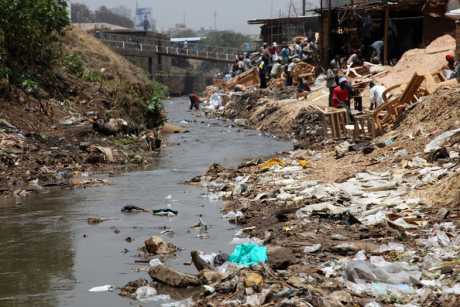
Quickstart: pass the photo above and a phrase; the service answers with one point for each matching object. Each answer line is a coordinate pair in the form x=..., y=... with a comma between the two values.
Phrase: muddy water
x=50, y=256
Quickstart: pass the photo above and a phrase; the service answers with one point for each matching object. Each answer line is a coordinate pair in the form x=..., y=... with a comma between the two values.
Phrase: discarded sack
x=248, y=254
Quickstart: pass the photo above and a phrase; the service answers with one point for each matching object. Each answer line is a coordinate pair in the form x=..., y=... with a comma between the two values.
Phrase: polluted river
x=51, y=256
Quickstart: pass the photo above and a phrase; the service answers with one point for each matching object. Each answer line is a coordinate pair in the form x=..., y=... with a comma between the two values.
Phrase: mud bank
x=51, y=256
x=90, y=114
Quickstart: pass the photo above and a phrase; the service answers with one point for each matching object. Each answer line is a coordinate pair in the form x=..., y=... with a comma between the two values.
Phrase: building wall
x=435, y=27
x=283, y=32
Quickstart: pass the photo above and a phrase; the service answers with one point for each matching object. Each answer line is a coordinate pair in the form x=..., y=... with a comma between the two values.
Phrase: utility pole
x=304, y=7
x=215, y=20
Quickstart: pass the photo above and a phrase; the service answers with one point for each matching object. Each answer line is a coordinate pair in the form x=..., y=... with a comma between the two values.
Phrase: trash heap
x=368, y=240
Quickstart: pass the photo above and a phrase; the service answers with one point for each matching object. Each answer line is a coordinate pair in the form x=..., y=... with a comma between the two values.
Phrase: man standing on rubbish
x=376, y=95
x=330, y=82
x=277, y=69
x=194, y=101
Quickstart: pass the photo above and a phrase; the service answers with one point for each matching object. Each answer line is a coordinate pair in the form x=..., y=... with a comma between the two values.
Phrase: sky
x=231, y=14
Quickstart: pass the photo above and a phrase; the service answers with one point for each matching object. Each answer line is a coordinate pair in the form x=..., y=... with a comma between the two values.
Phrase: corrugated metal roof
x=282, y=19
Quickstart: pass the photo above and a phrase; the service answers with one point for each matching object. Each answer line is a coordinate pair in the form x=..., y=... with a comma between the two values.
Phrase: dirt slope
x=48, y=134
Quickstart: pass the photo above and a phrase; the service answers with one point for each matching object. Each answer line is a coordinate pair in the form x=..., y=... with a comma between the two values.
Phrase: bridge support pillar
x=150, y=64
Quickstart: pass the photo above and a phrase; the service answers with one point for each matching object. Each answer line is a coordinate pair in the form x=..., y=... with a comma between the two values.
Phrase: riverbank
x=371, y=224
x=365, y=222
x=92, y=115
x=344, y=221
x=50, y=255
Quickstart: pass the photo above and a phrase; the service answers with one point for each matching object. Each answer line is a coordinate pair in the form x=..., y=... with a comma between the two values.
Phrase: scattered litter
x=132, y=209
x=105, y=288
x=145, y=294
x=157, y=246
x=439, y=141
x=312, y=248
x=248, y=254
x=155, y=262
x=165, y=212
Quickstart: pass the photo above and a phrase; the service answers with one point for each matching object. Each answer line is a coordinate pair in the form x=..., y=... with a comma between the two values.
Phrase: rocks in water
x=95, y=220
x=241, y=122
x=157, y=246
x=210, y=277
x=131, y=287
x=173, y=278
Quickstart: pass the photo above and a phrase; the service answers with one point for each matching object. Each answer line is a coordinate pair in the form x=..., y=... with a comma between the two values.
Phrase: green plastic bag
x=248, y=254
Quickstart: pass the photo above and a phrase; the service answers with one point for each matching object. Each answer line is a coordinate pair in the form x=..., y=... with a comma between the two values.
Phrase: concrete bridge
x=135, y=46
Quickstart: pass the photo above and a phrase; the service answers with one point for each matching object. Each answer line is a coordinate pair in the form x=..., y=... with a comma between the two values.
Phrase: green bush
x=73, y=63
x=29, y=85
x=92, y=76
x=154, y=112
x=158, y=89
x=31, y=31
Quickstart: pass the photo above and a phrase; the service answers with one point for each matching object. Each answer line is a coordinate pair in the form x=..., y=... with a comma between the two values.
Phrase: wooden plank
x=387, y=24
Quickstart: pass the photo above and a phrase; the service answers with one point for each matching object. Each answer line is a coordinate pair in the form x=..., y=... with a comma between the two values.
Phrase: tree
x=228, y=39
x=31, y=32
x=81, y=13
x=122, y=11
x=103, y=14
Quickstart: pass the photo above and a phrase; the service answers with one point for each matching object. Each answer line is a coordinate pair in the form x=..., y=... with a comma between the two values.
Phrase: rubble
x=157, y=246
x=173, y=278
x=77, y=125
x=358, y=229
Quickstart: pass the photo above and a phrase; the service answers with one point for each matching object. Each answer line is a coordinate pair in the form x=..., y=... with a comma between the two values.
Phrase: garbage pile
x=66, y=155
x=368, y=240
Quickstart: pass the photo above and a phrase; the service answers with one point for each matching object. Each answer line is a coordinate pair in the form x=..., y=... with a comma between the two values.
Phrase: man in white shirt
x=277, y=69
x=376, y=95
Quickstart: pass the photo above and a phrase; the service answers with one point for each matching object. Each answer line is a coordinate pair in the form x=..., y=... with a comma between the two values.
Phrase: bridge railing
x=169, y=48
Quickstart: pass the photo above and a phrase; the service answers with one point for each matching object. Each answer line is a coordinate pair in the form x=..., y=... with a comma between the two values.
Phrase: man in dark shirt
x=194, y=101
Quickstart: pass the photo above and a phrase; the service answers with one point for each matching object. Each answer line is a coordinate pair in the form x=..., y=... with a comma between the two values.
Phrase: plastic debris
x=155, y=262
x=248, y=254
x=438, y=141
x=146, y=293
x=165, y=212
x=453, y=290
x=265, y=166
x=312, y=248
x=379, y=270
x=233, y=215
x=184, y=303
x=132, y=209
x=105, y=288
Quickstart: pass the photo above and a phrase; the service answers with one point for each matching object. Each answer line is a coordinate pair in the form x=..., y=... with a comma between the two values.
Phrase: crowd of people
x=276, y=62
x=273, y=60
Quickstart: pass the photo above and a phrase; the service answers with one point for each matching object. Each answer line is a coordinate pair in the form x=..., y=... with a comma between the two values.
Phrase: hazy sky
x=231, y=14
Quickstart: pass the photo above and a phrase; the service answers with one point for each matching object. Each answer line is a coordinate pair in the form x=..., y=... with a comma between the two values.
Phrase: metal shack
x=282, y=30
x=346, y=26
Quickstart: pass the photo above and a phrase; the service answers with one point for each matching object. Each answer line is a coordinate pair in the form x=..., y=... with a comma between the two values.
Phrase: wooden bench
x=386, y=114
x=334, y=122
x=364, y=127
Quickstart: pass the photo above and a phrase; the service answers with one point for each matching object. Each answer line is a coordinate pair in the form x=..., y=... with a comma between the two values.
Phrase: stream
x=50, y=256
